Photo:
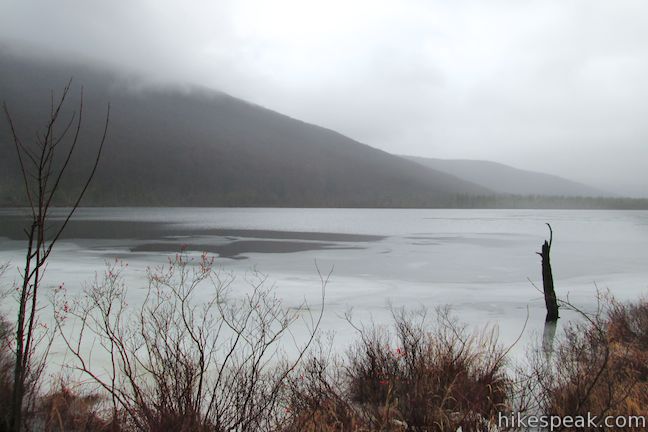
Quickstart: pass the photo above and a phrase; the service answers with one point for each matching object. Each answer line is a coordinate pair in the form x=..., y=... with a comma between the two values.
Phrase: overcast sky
x=559, y=86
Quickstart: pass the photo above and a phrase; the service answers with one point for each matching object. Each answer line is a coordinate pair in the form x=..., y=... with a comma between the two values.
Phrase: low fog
x=551, y=86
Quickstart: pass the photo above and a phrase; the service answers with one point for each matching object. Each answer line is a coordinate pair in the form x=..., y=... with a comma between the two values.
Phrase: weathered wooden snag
x=547, y=280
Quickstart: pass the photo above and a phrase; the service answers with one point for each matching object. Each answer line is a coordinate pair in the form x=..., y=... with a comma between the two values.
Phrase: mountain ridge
x=506, y=179
x=183, y=145
x=188, y=146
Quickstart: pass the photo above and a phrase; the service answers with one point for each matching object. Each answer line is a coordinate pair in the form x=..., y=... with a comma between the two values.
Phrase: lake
x=482, y=263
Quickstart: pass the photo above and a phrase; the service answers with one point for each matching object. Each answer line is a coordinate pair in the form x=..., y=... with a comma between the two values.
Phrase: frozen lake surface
x=479, y=262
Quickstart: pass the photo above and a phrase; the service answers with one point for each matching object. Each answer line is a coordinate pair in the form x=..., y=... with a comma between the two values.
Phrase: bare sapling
x=43, y=165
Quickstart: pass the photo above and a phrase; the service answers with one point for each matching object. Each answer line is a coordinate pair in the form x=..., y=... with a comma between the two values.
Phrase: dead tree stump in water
x=547, y=280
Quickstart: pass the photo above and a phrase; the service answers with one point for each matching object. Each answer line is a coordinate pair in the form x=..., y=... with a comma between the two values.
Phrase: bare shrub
x=413, y=378
x=6, y=372
x=181, y=363
x=31, y=380
x=315, y=398
x=599, y=368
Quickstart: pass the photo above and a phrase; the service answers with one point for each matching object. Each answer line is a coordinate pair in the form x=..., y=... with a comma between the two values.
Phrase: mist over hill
x=190, y=146
x=172, y=145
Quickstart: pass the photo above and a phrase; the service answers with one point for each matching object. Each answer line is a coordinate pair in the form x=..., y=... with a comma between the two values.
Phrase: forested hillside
x=180, y=146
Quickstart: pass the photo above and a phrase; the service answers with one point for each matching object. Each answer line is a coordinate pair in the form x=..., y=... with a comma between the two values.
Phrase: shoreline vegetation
x=184, y=365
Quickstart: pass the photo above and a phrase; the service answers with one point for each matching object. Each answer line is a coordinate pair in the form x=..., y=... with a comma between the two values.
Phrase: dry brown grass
x=410, y=379
x=601, y=367
x=64, y=409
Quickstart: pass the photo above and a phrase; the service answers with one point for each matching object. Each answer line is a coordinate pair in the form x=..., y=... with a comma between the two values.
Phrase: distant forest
x=550, y=202
x=13, y=196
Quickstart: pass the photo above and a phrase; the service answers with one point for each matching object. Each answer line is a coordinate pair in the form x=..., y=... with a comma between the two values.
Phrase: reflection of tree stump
x=547, y=280
x=548, y=337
